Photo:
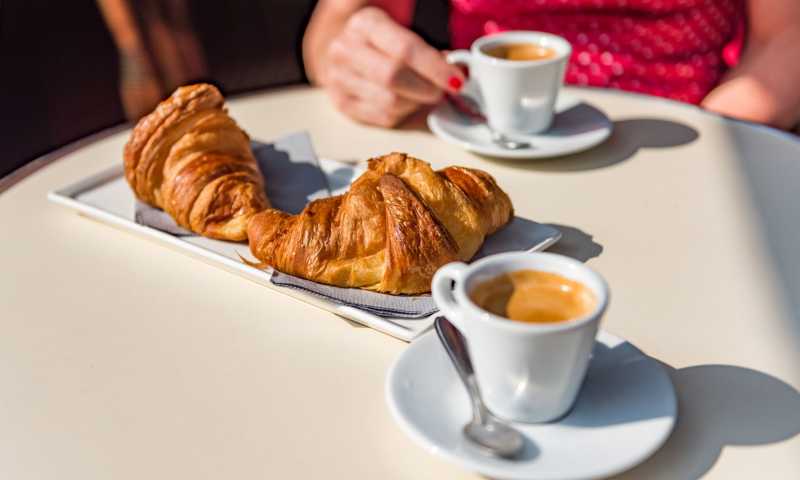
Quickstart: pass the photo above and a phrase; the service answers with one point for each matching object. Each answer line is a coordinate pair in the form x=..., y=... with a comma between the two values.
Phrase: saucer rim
x=434, y=120
x=474, y=463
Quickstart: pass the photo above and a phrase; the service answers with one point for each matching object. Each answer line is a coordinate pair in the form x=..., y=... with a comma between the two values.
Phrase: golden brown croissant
x=399, y=222
x=189, y=158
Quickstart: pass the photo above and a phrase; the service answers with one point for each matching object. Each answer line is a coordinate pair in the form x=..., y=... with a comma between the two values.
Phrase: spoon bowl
x=490, y=435
x=496, y=439
x=505, y=142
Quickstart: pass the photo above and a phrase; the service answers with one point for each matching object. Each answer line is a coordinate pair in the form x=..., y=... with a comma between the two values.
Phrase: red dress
x=672, y=48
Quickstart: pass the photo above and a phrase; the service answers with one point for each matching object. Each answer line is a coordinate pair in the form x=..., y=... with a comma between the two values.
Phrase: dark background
x=60, y=72
x=59, y=67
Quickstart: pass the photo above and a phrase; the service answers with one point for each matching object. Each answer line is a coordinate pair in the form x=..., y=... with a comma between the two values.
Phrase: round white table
x=123, y=359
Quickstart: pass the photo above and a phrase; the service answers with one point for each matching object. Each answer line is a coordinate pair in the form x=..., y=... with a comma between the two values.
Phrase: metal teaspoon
x=487, y=432
x=467, y=106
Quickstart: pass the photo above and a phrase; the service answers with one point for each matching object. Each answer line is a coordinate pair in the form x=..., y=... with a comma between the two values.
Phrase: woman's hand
x=377, y=71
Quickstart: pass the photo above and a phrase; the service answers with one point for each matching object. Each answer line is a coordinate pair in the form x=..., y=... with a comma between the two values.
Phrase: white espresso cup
x=517, y=96
x=527, y=372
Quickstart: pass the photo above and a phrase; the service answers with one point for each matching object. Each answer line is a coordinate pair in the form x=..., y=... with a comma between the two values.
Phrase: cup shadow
x=575, y=243
x=606, y=384
x=720, y=405
x=627, y=138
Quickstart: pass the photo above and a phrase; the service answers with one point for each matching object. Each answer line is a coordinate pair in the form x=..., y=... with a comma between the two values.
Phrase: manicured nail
x=455, y=83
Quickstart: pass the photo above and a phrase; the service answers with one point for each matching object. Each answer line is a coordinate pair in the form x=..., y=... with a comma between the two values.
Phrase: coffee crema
x=519, y=51
x=533, y=296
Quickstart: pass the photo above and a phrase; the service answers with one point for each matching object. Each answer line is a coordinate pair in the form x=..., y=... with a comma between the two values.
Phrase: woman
x=736, y=57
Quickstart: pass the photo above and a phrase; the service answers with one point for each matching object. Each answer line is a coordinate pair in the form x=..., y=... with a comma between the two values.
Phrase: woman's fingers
x=361, y=88
x=366, y=101
x=383, y=70
x=364, y=111
x=405, y=47
x=378, y=72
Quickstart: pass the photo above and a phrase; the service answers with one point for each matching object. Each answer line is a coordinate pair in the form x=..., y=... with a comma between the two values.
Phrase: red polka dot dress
x=671, y=48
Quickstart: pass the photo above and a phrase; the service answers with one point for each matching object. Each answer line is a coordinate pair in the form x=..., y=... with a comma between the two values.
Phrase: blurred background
x=71, y=68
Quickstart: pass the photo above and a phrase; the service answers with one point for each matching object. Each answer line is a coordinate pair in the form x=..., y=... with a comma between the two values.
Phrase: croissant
x=189, y=158
x=399, y=222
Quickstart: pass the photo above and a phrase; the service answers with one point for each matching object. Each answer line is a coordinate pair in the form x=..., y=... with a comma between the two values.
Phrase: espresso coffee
x=519, y=51
x=534, y=296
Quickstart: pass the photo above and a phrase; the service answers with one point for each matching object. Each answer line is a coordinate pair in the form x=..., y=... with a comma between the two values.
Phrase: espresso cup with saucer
x=518, y=75
x=528, y=371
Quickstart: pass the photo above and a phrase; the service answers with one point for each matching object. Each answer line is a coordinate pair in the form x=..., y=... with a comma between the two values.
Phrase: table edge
x=28, y=169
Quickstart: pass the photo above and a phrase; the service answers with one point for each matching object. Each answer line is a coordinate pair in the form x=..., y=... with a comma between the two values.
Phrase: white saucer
x=577, y=126
x=625, y=411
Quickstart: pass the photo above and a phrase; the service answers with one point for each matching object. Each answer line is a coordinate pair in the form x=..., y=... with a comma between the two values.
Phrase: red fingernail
x=455, y=83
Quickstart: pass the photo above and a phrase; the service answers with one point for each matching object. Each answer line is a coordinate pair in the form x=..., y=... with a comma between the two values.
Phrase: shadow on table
x=769, y=163
x=611, y=376
x=417, y=121
x=575, y=243
x=627, y=138
x=720, y=405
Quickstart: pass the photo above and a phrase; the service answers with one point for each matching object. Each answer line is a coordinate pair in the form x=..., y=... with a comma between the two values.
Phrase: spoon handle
x=456, y=348
x=466, y=106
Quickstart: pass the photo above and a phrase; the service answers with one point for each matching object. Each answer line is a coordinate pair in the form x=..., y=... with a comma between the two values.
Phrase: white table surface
x=124, y=359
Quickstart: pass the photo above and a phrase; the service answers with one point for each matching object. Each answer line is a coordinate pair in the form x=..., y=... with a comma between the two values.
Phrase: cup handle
x=470, y=89
x=442, y=291
x=460, y=57
x=456, y=57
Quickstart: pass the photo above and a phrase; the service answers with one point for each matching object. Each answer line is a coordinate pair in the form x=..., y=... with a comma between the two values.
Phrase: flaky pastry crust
x=189, y=158
x=399, y=222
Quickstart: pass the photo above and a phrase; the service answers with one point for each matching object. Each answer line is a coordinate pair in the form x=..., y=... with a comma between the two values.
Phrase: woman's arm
x=330, y=18
x=765, y=86
x=372, y=66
